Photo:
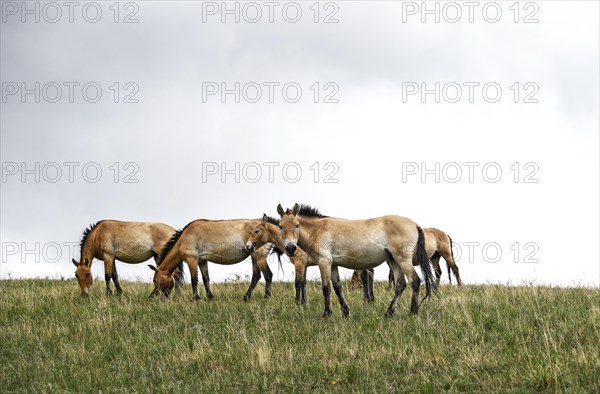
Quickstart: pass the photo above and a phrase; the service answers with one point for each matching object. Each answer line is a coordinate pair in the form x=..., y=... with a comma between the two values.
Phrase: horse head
x=83, y=275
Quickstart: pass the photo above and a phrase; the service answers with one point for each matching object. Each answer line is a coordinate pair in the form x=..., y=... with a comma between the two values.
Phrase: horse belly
x=361, y=259
x=134, y=256
x=224, y=256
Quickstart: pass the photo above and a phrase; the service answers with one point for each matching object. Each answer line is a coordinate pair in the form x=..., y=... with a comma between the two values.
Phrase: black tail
x=425, y=264
x=453, y=261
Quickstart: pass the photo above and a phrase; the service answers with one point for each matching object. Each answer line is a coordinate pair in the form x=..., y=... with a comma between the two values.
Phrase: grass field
x=476, y=338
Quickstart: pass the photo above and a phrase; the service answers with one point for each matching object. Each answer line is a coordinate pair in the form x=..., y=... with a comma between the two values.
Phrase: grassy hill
x=476, y=338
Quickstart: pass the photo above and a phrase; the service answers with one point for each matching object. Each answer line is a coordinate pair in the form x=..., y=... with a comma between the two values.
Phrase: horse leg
x=400, y=285
x=435, y=261
x=371, y=285
x=300, y=282
x=266, y=271
x=299, y=285
x=404, y=257
x=391, y=280
x=206, y=279
x=364, y=281
x=304, y=287
x=414, y=280
x=115, y=278
x=303, y=284
x=447, y=255
x=325, y=268
x=300, y=261
x=366, y=278
x=337, y=287
x=108, y=268
x=255, y=278
x=192, y=264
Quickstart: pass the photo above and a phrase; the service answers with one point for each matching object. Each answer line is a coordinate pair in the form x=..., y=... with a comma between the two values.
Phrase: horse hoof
x=246, y=298
x=196, y=298
x=389, y=313
x=210, y=296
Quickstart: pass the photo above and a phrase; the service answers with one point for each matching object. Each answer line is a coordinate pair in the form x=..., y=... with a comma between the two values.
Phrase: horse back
x=130, y=241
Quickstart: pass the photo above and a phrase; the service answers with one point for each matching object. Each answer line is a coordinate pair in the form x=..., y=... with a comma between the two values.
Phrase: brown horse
x=357, y=244
x=111, y=240
x=221, y=242
x=438, y=244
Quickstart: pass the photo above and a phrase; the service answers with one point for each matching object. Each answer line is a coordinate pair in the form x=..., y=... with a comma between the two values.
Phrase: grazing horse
x=357, y=244
x=129, y=242
x=221, y=242
x=438, y=244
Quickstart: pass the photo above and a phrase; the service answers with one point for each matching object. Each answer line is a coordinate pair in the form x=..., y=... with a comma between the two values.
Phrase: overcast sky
x=515, y=97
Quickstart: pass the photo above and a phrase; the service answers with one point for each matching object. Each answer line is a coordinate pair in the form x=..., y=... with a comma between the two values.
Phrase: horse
x=111, y=240
x=221, y=242
x=437, y=244
x=357, y=244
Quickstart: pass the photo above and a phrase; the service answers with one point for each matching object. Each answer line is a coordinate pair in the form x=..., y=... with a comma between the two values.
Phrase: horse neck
x=88, y=250
x=172, y=259
x=307, y=226
x=275, y=236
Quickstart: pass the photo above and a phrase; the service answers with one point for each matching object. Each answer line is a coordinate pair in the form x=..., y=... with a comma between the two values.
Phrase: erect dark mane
x=171, y=242
x=273, y=220
x=308, y=211
x=86, y=233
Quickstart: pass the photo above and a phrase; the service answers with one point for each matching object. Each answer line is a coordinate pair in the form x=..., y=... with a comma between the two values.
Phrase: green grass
x=476, y=338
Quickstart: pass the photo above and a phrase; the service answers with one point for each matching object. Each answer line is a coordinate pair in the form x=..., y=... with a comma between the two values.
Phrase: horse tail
x=425, y=264
x=453, y=261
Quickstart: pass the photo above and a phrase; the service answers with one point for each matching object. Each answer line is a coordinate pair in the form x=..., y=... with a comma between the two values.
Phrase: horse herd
x=308, y=237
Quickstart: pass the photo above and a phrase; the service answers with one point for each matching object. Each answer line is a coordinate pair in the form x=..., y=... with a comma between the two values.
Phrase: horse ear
x=86, y=262
x=75, y=262
x=280, y=210
x=296, y=209
x=265, y=218
x=153, y=268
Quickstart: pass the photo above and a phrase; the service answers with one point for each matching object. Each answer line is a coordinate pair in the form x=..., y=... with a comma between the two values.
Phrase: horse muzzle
x=250, y=248
x=290, y=249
